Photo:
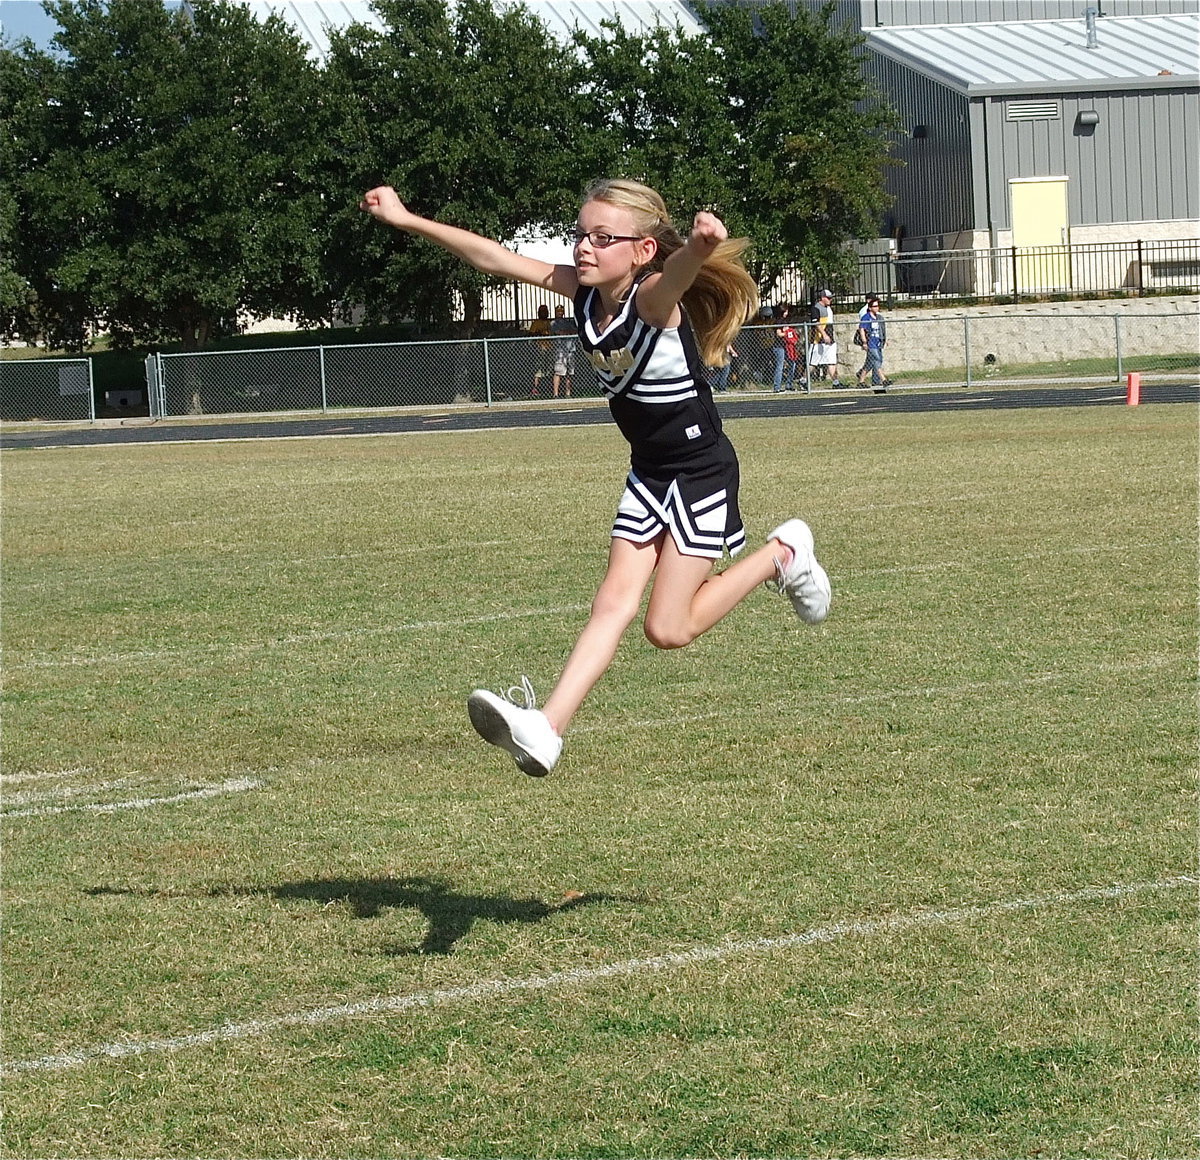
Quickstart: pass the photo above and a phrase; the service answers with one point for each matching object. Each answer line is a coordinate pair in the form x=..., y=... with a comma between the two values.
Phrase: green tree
x=660, y=96
x=475, y=115
x=164, y=182
x=22, y=85
x=767, y=118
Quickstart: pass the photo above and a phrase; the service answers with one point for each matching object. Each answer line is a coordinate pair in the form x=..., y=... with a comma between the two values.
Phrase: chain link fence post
x=967, y=345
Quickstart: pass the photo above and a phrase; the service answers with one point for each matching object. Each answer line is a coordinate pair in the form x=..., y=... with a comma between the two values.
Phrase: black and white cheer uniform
x=683, y=470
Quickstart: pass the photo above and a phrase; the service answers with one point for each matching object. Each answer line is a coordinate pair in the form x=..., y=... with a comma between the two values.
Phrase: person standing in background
x=540, y=329
x=565, y=334
x=872, y=337
x=786, y=350
x=822, y=346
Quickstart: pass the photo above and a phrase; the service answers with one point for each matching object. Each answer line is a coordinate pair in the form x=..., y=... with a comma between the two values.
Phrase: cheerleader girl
x=653, y=310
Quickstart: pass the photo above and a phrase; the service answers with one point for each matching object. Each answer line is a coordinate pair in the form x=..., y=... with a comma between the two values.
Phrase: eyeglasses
x=599, y=239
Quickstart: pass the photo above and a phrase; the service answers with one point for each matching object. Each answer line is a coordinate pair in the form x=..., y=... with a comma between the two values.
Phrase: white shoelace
x=521, y=695
x=776, y=583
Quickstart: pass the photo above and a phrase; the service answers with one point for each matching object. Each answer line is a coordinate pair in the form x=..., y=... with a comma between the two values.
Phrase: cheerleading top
x=654, y=380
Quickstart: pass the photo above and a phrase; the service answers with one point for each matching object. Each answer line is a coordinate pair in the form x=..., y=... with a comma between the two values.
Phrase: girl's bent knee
x=667, y=637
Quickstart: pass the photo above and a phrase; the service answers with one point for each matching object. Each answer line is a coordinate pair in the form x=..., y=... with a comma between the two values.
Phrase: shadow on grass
x=450, y=915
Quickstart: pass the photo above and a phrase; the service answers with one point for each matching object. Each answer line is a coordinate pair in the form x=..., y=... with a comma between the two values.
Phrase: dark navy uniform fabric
x=684, y=471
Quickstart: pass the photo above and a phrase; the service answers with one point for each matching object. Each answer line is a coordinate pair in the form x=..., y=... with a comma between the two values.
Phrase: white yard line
x=231, y=785
x=43, y=774
x=584, y=976
x=59, y=792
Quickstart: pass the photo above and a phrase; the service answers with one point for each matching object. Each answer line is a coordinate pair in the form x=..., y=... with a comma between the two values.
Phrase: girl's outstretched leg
x=616, y=603
x=534, y=736
x=688, y=599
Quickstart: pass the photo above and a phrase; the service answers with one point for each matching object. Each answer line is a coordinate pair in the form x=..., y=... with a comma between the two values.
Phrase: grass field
x=919, y=882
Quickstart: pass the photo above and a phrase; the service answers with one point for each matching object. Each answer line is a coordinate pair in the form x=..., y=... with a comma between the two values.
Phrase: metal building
x=862, y=15
x=1044, y=132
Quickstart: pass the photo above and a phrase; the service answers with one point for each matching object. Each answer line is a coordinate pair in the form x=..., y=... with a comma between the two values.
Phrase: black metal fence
x=1016, y=273
x=1004, y=274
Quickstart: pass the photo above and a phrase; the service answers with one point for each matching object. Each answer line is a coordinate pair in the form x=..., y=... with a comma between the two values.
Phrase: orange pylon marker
x=1133, y=389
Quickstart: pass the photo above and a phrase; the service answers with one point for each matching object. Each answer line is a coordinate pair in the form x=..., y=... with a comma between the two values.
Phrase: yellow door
x=1039, y=222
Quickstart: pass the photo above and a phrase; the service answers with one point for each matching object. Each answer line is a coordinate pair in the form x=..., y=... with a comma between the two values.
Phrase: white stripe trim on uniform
x=710, y=502
x=642, y=396
x=673, y=515
x=701, y=542
x=595, y=336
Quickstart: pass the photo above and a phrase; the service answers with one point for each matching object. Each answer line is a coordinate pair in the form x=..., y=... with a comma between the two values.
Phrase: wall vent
x=1031, y=111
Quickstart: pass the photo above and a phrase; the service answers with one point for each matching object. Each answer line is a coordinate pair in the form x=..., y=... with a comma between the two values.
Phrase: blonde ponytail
x=723, y=297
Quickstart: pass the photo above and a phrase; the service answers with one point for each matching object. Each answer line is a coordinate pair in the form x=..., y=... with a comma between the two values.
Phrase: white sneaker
x=804, y=580
x=524, y=731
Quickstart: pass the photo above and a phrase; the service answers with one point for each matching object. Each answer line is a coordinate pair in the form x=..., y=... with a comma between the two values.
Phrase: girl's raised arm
x=483, y=253
x=658, y=300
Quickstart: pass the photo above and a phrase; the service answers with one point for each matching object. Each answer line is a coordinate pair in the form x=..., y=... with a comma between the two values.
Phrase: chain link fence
x=968, y=350
x=403, y=374
x=947, y=350
x=46, y=389
x=958, y=350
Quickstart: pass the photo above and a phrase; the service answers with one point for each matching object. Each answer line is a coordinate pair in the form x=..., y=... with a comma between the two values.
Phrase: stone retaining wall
x=1047, y=332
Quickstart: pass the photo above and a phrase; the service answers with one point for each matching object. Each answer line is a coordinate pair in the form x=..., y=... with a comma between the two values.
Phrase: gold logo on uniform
x=615, y=363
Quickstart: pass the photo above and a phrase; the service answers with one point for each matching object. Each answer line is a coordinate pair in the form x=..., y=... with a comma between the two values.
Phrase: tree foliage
x=22, y=83
x=474, y=115
x=167, y=171
x=164, y=179
x=766, y=117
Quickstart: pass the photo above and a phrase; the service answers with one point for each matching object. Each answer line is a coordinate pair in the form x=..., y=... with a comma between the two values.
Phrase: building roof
x=314, y=18
x=1043, y=56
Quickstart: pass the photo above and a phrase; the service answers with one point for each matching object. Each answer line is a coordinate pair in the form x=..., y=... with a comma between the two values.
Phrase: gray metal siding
x=892, y=13
x=981, y=188
x=932, y=190
x=1151, y=156
x=1137, y=164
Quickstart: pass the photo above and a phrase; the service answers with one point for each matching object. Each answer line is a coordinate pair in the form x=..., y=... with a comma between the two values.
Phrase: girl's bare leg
x=616, y=603
x=687, y=601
